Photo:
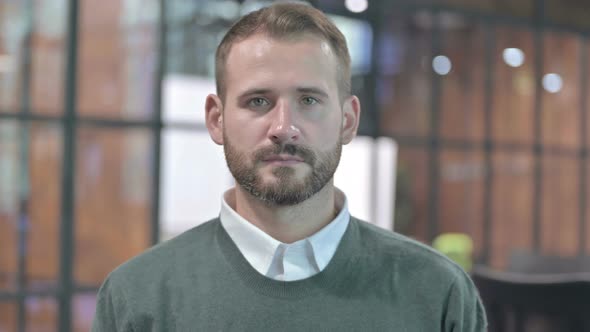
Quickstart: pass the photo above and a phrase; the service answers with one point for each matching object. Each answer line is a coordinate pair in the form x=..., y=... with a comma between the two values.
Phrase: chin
x=273, y=181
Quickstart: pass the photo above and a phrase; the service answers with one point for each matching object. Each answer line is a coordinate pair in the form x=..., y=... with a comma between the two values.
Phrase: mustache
x=302, y=152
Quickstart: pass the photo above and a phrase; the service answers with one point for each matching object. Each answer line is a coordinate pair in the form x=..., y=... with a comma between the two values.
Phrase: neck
x=287, y=224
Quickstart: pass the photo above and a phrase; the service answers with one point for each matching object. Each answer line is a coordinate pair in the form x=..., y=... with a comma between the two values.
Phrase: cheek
x=330, y=139
x=328, y=133
x=243, y=134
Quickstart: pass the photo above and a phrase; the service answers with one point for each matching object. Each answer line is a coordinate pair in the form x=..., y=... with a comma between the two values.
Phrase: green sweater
x=376, y=281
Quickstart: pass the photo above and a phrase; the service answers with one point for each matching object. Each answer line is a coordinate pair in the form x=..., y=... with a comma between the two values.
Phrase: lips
x=288, y=154
x=283, y=158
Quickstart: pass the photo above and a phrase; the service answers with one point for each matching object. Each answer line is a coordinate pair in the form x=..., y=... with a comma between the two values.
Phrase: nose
x=283, y=129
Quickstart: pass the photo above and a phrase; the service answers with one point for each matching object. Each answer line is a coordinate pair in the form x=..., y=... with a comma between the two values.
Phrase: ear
x=214, y=118
x=350, y=120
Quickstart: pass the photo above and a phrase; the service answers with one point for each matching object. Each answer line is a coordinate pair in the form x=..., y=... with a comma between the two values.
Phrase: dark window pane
x=586, y=93
x=560, y=206
x=46, y=160
x=568, y=12
x=9, y=194
x=512, y=205
x=83, y=307
x=461, y=194
x=404, y=92
x=514, y=87
x=462, y=89
x=195, y=30
x=46, y=49
x=411, y=198
x=8, y=321
x=48, y=56
x=113, y=199
x=12, y=34
x=8, y=253
x=117, y=58
x=41, y=314
x=521, y=8
x=30, y=166
x=561, y=93
x=587, y=207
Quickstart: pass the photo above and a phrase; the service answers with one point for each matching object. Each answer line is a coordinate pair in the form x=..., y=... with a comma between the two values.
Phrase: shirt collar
x=259, y=248
x=255, y=245
x=326, y=240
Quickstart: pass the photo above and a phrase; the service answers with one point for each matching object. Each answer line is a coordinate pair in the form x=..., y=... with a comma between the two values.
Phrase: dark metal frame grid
x=434, y=143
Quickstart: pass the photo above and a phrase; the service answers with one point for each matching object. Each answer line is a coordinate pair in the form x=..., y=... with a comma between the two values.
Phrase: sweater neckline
x=334, y=275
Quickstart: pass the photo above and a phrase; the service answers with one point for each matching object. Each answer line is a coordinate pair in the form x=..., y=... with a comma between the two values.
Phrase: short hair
x=285, y=20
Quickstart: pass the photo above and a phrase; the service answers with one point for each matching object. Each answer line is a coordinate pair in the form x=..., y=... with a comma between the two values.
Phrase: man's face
x=282, y=117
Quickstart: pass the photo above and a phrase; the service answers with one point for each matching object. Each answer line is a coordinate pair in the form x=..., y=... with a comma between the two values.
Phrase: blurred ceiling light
x=514, y=57
x=552, y=82
x=7, y=63
x=441, y=64
x=356, y=6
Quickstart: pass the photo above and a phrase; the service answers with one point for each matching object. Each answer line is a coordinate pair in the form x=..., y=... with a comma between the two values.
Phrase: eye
x=258, y=102
x=309, y=101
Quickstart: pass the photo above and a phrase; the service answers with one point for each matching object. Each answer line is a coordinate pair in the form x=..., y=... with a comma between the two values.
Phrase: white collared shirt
x=284, y=261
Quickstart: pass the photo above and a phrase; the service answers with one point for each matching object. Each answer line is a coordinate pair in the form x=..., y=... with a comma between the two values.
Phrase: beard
x=287, y=189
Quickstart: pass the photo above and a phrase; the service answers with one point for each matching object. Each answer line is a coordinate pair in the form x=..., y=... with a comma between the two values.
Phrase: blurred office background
x=475, y=111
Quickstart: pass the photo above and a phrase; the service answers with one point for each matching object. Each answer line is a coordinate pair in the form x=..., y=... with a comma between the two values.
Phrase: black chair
x=533, y=263
x=539, y=302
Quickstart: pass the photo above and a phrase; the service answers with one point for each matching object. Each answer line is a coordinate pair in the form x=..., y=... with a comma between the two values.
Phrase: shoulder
x=406, y=254
x=168, y=256
x=135, y=288
x=424, y=273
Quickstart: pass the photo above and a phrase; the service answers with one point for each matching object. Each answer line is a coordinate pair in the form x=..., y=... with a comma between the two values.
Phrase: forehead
x=264, y=60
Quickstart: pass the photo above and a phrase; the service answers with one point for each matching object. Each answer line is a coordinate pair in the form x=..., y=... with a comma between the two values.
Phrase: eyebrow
x=312, y=90
x=302, y=89
x=255, y=91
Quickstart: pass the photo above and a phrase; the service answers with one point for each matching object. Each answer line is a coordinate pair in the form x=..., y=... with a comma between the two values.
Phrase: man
x=285, y=254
